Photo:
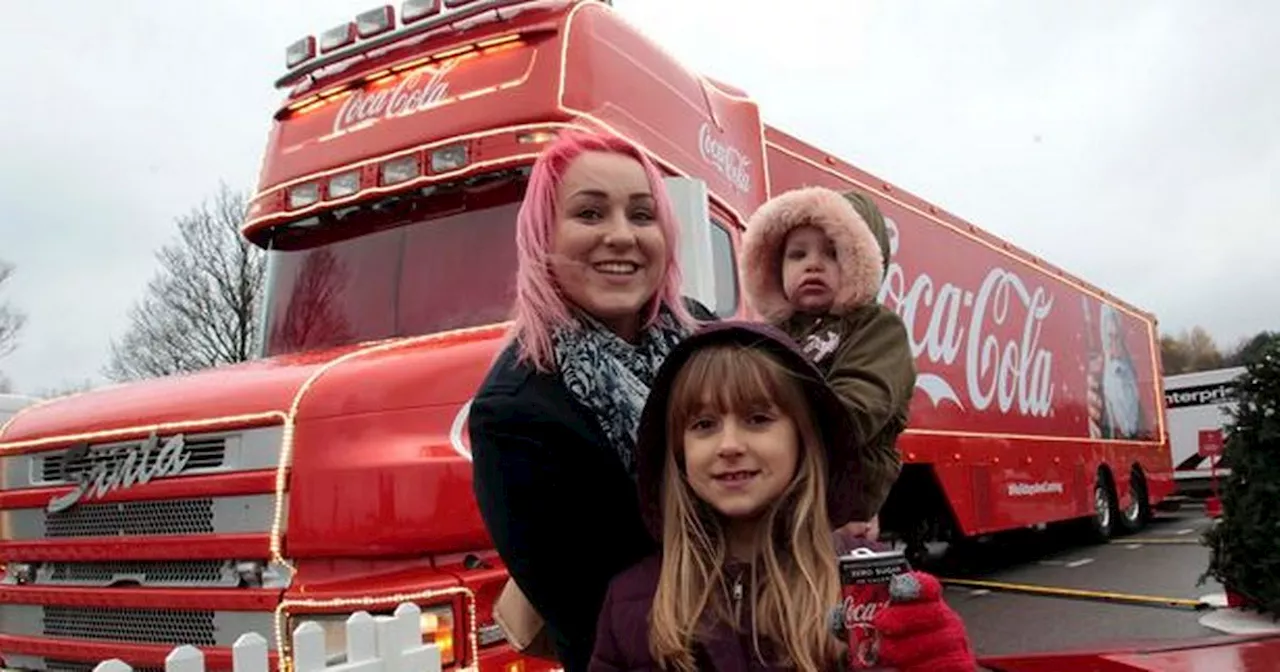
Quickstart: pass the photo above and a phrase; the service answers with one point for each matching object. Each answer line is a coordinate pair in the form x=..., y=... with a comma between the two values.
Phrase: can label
x=864, y=579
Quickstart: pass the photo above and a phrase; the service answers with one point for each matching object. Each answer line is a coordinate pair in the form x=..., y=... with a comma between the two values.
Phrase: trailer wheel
x=1136, y=516
x=1105, y=509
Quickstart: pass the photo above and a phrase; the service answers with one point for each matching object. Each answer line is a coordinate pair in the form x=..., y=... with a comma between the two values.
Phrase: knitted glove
x=919, y=632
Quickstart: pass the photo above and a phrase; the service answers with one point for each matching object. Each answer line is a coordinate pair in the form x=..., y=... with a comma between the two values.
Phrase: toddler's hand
x=919, y=632
x=869, y=530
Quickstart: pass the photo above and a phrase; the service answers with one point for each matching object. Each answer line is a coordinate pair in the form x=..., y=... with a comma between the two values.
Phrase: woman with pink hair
x=553, y=426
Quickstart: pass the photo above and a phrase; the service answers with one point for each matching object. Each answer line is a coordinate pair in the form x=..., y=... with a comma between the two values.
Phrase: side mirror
x=689, y=202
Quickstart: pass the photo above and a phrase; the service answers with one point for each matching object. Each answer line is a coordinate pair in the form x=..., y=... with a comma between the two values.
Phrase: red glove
x=919, y=632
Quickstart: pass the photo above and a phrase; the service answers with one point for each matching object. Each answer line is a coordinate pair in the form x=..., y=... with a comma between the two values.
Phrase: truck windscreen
x=407, y=267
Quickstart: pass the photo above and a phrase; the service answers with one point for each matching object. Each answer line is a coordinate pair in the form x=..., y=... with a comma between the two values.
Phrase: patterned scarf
x=612, y=377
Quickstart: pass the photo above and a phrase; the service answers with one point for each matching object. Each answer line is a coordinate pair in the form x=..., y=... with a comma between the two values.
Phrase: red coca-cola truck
x=332, y=474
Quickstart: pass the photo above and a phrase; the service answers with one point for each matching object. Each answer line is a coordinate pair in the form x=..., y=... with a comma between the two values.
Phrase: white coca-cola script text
x=419, y=91
x=861, y=612
x=728, y=160
x=996, y=327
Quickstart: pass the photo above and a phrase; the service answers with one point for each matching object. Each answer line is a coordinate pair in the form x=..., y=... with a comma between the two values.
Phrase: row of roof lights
x=398, y=170
x=366, y=25
x=390, y=172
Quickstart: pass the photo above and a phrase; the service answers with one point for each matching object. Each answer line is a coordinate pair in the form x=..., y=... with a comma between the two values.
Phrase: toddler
x=812, y=264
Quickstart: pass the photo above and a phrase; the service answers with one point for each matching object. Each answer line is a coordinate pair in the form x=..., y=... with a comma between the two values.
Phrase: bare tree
x=198, y=311
x=11, y=321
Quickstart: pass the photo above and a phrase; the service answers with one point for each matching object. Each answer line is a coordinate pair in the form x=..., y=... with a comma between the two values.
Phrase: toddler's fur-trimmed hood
x=861, y=250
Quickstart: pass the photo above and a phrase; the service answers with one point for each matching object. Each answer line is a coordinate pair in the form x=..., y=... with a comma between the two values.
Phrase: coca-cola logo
x=996, y=327
x=728, y=160
x=856, y=612
x=421, y=90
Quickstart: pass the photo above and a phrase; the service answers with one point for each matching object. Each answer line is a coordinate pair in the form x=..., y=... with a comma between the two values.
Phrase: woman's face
x=740, y=462
x=608, y=254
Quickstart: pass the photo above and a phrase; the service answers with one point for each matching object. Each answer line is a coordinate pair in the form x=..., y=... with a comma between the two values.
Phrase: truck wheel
x=1136, y=516
x=1102, y=523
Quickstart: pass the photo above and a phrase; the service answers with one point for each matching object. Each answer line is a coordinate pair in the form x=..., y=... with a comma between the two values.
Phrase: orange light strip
x=298, y=105
x=455, y=52
x=498, y=40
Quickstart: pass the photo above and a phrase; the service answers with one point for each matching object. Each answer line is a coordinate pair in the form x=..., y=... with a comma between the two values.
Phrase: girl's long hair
x=540, y=306
x=794, y=578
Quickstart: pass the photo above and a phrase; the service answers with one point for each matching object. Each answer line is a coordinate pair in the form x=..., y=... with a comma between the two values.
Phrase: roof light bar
x=337, y=37
x=416, y=10
x=378, y=26
x=301, y=51
x=375, y=21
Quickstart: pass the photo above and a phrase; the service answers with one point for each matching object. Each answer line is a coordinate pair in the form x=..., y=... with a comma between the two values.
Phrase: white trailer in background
x=1195, y=402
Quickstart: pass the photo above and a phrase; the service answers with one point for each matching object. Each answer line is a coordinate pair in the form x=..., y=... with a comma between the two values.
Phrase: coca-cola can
x=864, y=579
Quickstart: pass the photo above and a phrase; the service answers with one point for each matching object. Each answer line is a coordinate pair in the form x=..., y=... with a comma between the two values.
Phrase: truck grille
x=206, y=453
x=54, y=665
x=177, y=516
x=162, y=627
x=150, y=626
x=185, y=573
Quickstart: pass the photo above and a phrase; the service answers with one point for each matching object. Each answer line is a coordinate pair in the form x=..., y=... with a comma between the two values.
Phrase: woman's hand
x=919, y=632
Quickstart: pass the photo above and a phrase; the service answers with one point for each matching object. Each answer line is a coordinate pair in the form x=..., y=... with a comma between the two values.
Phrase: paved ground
x=1001, y=622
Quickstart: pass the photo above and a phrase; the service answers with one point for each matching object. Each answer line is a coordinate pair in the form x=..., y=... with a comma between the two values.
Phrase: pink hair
x=540, y=307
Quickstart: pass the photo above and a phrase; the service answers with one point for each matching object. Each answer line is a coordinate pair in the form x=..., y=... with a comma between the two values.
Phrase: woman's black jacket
x=561, y=509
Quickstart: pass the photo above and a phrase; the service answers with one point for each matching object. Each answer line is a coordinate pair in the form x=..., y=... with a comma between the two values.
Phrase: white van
x=1197, y=401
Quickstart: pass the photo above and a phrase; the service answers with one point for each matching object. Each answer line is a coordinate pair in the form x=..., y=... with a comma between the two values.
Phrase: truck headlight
x=437, y=628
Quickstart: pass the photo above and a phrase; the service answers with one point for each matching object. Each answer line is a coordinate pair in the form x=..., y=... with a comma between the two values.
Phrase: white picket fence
x=374, y=644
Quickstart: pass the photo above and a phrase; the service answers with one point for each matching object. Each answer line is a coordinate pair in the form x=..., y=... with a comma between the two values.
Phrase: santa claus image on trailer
x=1115, y=398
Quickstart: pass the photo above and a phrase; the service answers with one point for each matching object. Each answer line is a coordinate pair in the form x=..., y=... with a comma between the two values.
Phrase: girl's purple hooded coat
x=622, y=636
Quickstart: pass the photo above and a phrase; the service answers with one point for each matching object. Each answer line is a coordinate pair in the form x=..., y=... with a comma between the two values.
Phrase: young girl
x=813, y=261
x=738, y=487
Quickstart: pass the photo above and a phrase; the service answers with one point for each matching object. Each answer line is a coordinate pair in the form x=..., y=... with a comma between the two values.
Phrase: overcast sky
x=1137, y=144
